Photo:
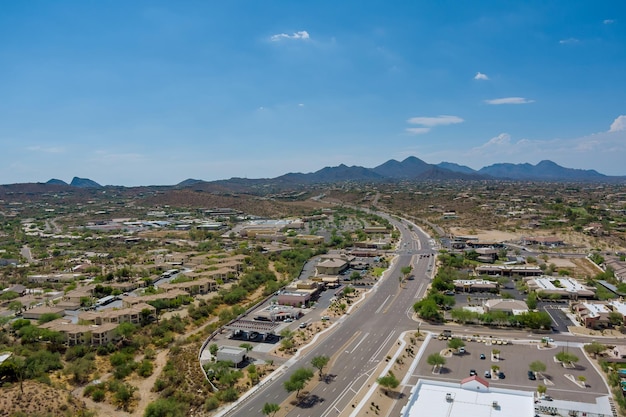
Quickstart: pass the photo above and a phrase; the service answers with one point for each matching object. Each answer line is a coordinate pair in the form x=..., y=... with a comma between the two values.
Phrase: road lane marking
x=360, y=341
x=382, y=305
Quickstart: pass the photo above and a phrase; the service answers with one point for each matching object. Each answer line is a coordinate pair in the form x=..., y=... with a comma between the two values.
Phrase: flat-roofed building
x=592, y=315
x=473, y=285
x=474, y=397
x=36, y=313
x=598, y=314
x=471, y=397
x=294, y=298
x=565, y=287
x=233, y=354
x=509, y=270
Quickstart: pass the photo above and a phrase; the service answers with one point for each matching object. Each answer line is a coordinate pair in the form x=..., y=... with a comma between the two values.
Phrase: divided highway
x=360, y=340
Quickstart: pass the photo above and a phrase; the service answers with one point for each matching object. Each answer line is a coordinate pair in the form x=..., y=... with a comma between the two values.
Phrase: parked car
x=288, y=320
x=482, y=356
x=531, y=375
x=472, y=372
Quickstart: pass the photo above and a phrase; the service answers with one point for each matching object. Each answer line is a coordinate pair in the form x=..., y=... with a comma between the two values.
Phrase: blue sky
x=150, y=92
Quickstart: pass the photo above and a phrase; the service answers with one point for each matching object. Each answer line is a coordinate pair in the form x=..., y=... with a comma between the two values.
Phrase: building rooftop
x=445, y=399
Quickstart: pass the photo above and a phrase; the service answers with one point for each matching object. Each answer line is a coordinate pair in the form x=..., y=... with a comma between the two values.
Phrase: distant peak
x=84, y=183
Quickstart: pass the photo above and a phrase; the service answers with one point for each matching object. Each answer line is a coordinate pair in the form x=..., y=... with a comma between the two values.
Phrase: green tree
x=566, y=357
x=455, y=343
x=595, y=348
x=319, y=362
x=16, y=307
x=531, y=301
x=125, y=331
x=247, y=346
x=582, y=379
x=616, y=319
x=298, y=380
x=436, y=360
x=537, y=366
x=541, y=389
x=388, y=381
x=213, y=348
x=428, y=310
x=270, y=409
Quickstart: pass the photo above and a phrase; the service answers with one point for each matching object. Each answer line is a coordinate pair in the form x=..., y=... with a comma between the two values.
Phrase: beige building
x=506, y=305
x=197, y=286
x=134, y=315
x=78, y=334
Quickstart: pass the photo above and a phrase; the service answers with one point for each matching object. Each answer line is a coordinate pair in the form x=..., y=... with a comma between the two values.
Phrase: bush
x=98, y=395
x=145, y=368
x=211, y=403
x=165, y=408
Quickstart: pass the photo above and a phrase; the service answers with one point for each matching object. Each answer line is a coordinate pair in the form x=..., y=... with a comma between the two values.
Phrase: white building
x=472, y=397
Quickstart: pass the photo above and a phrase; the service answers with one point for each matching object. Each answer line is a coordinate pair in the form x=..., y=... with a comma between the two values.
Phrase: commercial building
x=509, y=270
x=471, y=397
x=474, y=397
x=564, y=287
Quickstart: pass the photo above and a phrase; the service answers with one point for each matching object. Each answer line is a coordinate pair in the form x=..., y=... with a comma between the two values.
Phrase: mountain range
x=410, y=169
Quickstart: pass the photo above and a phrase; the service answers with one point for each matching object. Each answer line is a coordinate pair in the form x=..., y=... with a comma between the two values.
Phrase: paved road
x=26, y=253
x=362, y=339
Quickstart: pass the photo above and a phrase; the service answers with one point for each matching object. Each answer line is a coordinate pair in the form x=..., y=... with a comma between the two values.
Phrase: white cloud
x=417, y=130
x=608, y=21
x=480, y=76
x=568, y=40
x=501, y=139
x=509, y=100
x=38, y=148
x=618, y=124
x=303, y=35
x=435, y=121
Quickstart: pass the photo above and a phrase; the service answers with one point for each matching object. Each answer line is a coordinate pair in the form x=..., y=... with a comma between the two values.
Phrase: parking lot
x=514, y=362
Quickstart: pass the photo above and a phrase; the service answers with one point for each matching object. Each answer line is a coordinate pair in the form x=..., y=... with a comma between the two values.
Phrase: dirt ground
x=575, y=241
x=38, y=399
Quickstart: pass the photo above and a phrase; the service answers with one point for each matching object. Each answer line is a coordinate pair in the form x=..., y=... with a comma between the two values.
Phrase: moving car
x=487, y=374
x=482, y=356
x=472, y=372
